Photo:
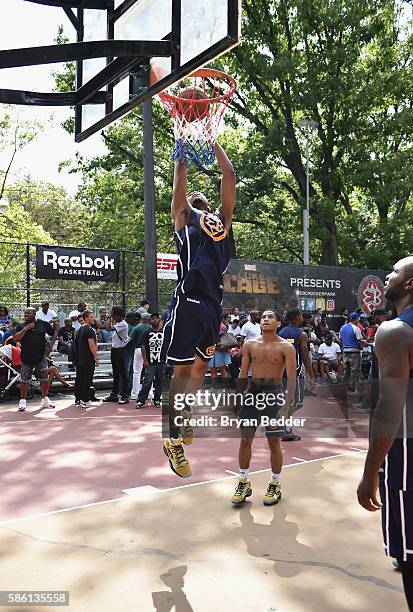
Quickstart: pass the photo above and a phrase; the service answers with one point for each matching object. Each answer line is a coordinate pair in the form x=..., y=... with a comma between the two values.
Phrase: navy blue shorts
x=396, y=520
x=192, y=329
x=262, y=408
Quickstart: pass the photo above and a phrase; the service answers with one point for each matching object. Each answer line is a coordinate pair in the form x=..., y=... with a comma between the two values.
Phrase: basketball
x=190, y=109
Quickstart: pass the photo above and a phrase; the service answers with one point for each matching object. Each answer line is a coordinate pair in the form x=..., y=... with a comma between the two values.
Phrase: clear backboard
x=197, y=31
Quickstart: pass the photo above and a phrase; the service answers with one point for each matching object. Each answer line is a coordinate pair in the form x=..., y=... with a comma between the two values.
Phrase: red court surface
x=53, y=460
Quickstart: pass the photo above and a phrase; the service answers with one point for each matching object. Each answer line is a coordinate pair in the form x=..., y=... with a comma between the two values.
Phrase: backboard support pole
x=151, y=276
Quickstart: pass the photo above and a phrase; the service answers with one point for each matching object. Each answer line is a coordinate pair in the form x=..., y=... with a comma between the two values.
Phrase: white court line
x=233, y=473
x=195, y=484
x=79, y=418
x=361, y=450
x=298, y=459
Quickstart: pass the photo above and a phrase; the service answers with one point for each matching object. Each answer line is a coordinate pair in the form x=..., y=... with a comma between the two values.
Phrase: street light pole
x=307, y=124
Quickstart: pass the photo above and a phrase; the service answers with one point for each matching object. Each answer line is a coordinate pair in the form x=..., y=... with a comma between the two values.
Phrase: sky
x=26, y=24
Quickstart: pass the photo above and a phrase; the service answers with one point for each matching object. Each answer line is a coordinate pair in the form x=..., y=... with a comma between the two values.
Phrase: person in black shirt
x=154, y=367
x=86, y=357
x=32, y=337
x=65, y=337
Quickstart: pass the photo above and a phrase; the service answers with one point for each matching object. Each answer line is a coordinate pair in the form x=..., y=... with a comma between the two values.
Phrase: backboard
x=199, y=30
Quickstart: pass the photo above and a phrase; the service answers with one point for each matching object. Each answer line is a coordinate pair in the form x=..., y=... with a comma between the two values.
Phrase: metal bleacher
x=102, y=374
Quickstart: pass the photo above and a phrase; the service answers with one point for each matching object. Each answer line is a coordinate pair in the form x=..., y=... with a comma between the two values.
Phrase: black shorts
x=192, y=329
x=396, y=520
x=267, y=403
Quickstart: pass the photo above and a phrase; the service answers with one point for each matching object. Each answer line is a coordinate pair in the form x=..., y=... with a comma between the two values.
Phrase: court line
x=177, y=488
x=362, y=450
x=80, y=418
x=233, y=473
x=298, y=459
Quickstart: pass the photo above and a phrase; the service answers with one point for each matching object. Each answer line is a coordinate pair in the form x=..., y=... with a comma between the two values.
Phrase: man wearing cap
x=352, y=340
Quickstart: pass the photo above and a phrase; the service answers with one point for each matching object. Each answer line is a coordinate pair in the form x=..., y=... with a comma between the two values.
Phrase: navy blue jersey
x=398, y=465
x=292, y=334
x=204, y=254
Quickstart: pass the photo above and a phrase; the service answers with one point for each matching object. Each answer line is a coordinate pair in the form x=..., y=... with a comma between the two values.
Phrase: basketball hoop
x=197, y=105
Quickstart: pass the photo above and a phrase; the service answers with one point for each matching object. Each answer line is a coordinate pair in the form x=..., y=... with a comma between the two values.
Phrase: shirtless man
x=269, y=355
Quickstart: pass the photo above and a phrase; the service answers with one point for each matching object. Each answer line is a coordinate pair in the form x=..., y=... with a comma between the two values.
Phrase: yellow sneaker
x=273, y=494
x=187, y=433
x=177, y=460
x=242, y=491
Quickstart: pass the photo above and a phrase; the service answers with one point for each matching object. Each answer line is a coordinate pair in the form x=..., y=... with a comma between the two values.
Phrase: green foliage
x=347, y=66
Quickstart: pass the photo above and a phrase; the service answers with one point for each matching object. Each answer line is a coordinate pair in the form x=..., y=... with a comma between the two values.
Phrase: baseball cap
x=354, y=315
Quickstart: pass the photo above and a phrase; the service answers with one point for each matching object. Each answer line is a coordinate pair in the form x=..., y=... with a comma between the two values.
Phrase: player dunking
x=269, y=355
x=190, y=334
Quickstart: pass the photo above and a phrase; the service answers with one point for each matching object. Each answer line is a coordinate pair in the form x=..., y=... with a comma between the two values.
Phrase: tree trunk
x=329, y=248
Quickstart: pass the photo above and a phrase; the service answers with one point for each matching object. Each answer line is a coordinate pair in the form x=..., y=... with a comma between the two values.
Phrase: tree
x=346, y=66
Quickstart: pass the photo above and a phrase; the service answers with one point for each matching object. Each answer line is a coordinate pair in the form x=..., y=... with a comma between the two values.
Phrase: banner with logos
x=166, y=266
x=74, y=263
x=258, y=285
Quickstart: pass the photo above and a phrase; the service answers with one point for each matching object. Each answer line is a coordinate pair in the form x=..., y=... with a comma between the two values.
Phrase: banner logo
x=370, y=294
x=166, y=266
x=77, y=264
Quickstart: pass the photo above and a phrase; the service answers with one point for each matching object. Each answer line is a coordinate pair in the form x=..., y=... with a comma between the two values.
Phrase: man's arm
x=392, y=350
x=180, y=208
x=20, y=335
x=291, y=371
x=93, y=349
x=228, y=185
x=242, y=381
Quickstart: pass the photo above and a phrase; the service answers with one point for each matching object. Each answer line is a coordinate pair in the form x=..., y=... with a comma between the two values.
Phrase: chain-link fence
x=20, y=288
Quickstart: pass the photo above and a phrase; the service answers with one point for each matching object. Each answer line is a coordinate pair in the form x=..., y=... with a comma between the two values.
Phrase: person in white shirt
x=331, y=358
x=251, y=329
x=234, y=328
x=81, y=307
x=45, y=313
x=120, y=339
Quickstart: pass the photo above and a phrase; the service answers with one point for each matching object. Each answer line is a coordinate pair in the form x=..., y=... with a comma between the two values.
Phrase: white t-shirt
x=250, y=331
x=120, y=335
x=235, y=331
x=74, y=313
x=329, y=352
x=48, y=316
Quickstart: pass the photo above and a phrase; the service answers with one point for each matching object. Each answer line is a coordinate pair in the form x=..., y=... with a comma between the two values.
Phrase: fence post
x=151, y=279
x=124, y=280
x=28, y=275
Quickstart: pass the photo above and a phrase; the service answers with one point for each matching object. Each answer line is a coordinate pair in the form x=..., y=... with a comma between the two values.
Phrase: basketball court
x=89, y=505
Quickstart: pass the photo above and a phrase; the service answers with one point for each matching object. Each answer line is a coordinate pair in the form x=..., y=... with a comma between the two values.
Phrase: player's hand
x=145, y=365
x=97, y=362
x=367, y=493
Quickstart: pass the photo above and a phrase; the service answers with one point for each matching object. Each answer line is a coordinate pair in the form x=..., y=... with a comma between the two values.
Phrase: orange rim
x=205, y=72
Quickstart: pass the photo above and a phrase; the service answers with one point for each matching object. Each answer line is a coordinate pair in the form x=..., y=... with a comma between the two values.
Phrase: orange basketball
x=192, y=110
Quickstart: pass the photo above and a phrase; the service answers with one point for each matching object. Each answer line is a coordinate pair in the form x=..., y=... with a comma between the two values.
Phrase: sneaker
x=273, y=494
x=77, y=402
x=177, y=460
x=123, y=400
x=22, y=405
x=111, y=398
x=187, y=432
x=396, y=565
x=332, y=376
x=242, y=491
x=157, y=403
x=91, y=404
x=291, y=437
x=45, y=403
x=139, y=404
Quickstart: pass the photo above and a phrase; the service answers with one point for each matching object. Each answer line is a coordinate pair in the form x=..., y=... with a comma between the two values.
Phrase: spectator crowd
x=324, y=356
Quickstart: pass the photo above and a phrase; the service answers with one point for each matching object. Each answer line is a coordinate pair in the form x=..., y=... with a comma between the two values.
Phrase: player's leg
x=273, y=494
x=25, y=377
x=243, y=488
x=146, y=386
